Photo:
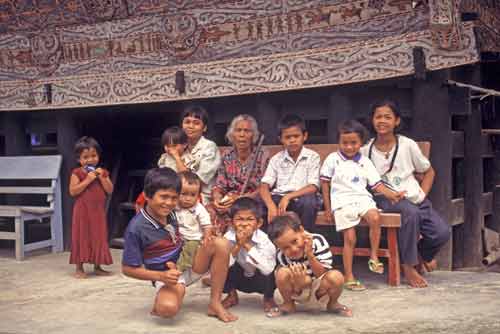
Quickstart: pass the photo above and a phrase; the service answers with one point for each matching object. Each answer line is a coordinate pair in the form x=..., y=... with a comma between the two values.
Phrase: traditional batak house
x=122, y=70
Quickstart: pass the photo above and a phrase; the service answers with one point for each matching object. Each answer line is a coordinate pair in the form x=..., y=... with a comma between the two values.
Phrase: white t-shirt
x=409, y=159
x=192, y=221
x=348, y=178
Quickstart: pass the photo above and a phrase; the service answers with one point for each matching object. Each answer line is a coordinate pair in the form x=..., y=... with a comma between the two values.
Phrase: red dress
x=89, y=235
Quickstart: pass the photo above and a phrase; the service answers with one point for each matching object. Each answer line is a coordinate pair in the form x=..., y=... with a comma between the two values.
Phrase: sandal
x=276, y=312
x=341, y=310
x=376, y=266
x=354, y=285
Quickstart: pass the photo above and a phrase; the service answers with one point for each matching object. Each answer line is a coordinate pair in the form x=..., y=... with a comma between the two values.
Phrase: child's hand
x=308, y=246
x=397, y=196
x=170, y=276
x=172, y=150
x=328, y=215
x=91, y=176
x=272, y=211
x=100, y=172
x=208, y=237
x=299, y=275
x=285, y=200
x=243, y=236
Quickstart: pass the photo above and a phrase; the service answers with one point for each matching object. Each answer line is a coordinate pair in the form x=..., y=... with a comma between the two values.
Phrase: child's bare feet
x=218, y=311
x=80, y=274
x=101, y=272
x=283, y=309
x=339, y=309
x=268, y=304
x=415, y=280
x=230, y=300
x=430, y=266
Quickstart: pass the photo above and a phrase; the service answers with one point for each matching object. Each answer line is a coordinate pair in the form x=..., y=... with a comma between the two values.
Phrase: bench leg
x=19, y=230
x=394, y=274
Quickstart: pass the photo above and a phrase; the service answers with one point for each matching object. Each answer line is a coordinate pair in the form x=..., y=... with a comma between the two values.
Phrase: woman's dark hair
x=291, y=120
x=195, y=111
x=85, y=143
x=161, y=179
x=173, y=135
x=393, y=105
x=353, y=126
x=246, y=203
x=280, y=224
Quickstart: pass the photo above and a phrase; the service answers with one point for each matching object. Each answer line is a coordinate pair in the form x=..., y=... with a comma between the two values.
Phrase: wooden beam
x=67, y=135
x=267, y=117
x=487, y=149
x=473, y=209
x=432, y=122
x=458, y=208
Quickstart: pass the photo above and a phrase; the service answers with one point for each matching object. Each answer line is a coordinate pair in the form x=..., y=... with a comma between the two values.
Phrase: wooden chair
x=20, y=171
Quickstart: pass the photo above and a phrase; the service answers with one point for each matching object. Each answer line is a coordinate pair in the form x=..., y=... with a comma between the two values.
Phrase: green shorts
x=188, y=253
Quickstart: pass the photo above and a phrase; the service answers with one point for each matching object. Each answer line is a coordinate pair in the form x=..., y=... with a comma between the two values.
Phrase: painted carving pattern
x=355, y=62
x=445, y=24
x=488, y=25
x=224, y=47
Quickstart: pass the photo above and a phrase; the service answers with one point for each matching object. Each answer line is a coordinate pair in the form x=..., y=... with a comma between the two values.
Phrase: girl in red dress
x=89, y=185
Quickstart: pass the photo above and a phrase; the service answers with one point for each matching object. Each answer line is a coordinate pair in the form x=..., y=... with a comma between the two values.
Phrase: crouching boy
x=305, y=273
x=153, y=244
x=253, y=255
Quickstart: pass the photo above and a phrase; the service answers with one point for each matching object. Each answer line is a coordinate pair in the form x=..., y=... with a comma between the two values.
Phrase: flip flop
x=376, y=267
x=276, y=312
x=354, y=285
x=342, y=311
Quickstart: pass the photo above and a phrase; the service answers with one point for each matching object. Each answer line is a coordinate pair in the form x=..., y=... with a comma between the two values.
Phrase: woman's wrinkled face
x=242, y=135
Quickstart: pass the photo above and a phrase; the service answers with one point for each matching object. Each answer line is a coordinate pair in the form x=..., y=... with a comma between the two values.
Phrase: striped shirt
x=321, y=250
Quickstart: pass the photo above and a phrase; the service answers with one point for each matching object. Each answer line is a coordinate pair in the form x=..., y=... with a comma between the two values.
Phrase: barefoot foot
x=80, y=274
x=268, y=304
x=102, y=272
x=415, y=280
x=218, y=311
x=230, y=300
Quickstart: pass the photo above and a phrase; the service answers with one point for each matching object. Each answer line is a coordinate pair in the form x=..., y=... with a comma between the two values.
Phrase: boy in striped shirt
x=305, y=274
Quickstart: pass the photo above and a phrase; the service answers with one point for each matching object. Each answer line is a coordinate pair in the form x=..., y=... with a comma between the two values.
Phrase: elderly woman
x=236, y=168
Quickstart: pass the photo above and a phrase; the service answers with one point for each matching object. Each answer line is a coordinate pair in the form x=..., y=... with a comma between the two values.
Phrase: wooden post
x=473, y=210
x=339, y=109
x=431, y=121
x=267, y=118
x=66, y=137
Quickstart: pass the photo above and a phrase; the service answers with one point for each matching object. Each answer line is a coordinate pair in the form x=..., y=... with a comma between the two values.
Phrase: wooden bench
x=20, y=178
x=390, y=221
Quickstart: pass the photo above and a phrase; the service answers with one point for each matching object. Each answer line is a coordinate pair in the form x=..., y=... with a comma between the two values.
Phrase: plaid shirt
x=232, y=173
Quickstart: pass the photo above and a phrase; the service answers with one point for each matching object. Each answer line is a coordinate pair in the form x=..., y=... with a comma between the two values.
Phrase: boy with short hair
x=291, y=180
x=153, y=244
x=305, y=273
x=253, y=255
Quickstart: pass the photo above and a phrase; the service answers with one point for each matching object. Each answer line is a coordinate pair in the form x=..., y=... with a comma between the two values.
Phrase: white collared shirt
x=287, y=175
x=206, y=162
x=192, y=221
x=348, y=178
x=262, y=256
x=409, y=159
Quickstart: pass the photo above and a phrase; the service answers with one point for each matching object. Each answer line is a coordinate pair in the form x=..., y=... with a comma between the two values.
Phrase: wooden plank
x=473, y=208
x=495, y=221
x=37, y=245
x=7, y=236
x=26, y=190
x=360, y=251
x=458, y=208
x=487, y=149
x=387, y=220
x=30, y=167
x=432, y=122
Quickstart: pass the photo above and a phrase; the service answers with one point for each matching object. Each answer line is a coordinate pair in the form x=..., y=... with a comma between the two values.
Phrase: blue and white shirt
x=349, y=178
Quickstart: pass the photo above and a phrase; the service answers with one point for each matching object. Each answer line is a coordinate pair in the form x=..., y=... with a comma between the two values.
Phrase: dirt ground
x=39, y=295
